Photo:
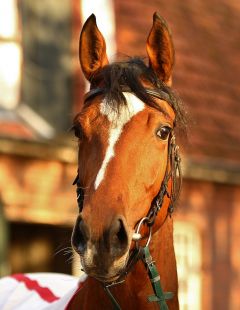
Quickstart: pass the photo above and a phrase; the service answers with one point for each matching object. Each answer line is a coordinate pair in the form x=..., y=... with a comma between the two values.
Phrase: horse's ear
x=92, y=48
x=160, y=49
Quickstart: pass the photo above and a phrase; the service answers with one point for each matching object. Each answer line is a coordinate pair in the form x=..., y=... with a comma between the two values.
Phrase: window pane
x=10, y=64
x=8, y=18
x=47, y=72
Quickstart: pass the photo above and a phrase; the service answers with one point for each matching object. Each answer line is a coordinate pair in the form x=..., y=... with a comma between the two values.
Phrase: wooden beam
x=217, y=172
x=47, y=150
x=66, y=152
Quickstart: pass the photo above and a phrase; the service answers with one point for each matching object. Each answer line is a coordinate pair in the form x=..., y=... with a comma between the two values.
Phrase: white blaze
x=117, y=122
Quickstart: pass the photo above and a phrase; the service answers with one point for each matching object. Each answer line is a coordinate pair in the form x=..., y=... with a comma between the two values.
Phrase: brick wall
x=207, y=70
x=214, y=209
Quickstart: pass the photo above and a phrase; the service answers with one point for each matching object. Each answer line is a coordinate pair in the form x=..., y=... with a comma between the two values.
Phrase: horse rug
x=38, y=291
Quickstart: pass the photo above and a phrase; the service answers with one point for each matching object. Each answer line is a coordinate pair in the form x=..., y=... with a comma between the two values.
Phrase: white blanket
x=38, y=291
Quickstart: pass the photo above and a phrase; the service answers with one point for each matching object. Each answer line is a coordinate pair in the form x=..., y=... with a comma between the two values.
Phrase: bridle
x=173, y=174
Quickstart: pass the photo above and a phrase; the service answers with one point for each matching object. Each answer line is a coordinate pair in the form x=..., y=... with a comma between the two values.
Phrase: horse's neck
x=132, y=294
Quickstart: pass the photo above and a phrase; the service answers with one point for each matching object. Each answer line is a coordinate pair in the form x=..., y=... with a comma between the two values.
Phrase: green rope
x=160, y=297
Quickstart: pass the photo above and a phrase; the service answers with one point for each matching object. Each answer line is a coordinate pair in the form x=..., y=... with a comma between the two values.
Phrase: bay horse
x=128, y=182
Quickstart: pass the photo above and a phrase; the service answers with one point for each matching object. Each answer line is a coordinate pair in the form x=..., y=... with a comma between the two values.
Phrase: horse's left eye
x=164, y=132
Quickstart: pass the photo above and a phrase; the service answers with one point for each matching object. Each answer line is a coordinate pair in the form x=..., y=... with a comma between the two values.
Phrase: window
x=10, y=54
x=104, y=11
x=36, y=71
x=48, y=70
x=36, y=61
x=187, y=245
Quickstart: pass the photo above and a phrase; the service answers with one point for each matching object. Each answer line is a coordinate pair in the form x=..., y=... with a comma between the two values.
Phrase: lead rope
x=160, y=297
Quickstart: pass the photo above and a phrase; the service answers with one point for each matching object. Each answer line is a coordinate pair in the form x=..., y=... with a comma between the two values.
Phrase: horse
x=128, y=178
x=127, y=182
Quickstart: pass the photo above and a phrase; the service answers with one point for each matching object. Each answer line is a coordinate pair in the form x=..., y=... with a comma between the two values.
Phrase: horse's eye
x=80, y=198
x=78, y=131
x=164, y=132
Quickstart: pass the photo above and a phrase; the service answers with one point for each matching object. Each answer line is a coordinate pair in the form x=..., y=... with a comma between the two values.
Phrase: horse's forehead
x=96, y=114
x=123, y=113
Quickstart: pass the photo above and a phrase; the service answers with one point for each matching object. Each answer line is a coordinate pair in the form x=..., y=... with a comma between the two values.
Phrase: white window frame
x=188, y=250
x=10, y=55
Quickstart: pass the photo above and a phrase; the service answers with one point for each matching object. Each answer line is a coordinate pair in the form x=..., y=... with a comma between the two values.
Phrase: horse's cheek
x=155, y=166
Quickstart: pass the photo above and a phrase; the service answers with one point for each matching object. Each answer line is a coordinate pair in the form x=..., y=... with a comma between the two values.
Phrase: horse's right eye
x=80, y=198
x=78, y=131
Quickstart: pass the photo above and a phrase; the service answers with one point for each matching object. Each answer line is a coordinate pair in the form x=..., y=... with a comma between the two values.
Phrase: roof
x=12, y=126
x=207, y=71
x=23, y=123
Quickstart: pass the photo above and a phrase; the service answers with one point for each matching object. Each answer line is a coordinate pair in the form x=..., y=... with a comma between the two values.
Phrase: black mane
x=130, y=73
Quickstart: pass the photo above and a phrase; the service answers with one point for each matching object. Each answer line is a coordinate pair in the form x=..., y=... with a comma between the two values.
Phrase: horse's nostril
x=79, y=237
x=118, y=235
x=122, y=234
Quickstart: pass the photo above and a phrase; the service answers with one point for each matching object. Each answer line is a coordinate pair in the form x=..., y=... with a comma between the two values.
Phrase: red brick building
x=38, y=158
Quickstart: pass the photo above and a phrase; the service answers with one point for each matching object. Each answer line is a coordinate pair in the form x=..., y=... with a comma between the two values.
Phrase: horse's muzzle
x=103, y=255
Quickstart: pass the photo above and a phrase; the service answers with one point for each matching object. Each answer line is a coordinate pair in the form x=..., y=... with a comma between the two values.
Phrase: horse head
x=125, y=132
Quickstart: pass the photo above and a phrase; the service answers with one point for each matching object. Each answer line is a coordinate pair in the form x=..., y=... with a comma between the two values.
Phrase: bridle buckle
x=138, y=234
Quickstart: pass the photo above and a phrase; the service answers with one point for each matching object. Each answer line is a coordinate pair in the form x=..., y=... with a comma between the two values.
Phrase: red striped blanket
x=38, y=291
